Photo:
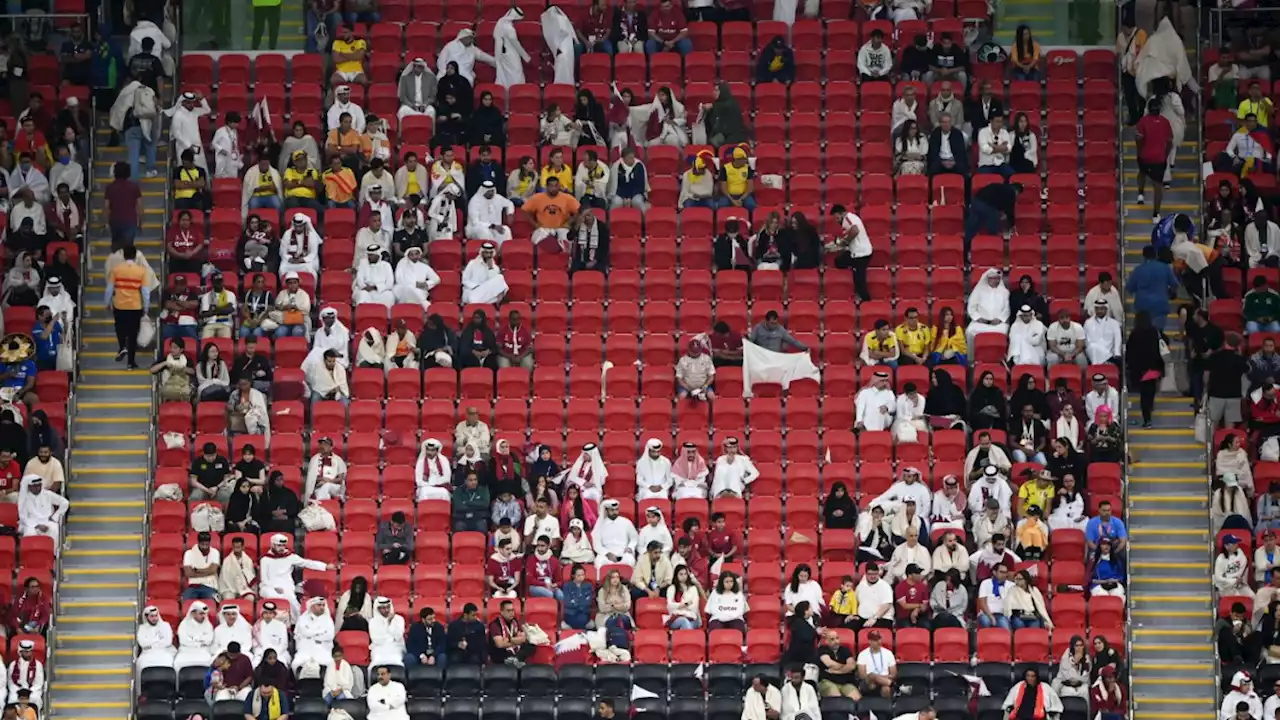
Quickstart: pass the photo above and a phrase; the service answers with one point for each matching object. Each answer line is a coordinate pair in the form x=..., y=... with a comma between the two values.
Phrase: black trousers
x=127, y=324
x=1147, y=398
x=860, y=265
x=1132, y=103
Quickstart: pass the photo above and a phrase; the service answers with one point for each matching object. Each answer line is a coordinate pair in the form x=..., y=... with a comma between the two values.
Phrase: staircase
x=96, y=613
x=1172, y=667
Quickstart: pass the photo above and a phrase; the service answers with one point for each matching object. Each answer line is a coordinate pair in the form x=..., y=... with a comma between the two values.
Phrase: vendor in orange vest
x=1032, y=700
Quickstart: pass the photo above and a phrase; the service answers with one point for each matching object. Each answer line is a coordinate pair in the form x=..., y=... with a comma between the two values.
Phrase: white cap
x=279, y=539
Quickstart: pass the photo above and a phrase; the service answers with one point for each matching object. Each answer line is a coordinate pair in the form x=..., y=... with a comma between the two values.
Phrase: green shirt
x=1262, y=305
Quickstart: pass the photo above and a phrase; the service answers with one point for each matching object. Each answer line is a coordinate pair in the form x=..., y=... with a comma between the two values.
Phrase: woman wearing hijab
x=987, y=409
x=487, y=126
x=468, y=461
x=505, y=471
x=299, y=140
x=242, y=510
x=1028, y=394
x=665, y=120
x=1064, y=459
x=41, y=433
x=543, y=467
x=274, y=673
x=62, y=269
x=23, y=284
x=1144, y=363
x=723, y=119
x=371, y=353
x=13, y=437
x=839, y=511
x=1106, y=437
x=1103, y=654
x=1026, y=294
x=589, y=114
x=802, y=648
x=576, y=507
x=455, y=84
x=945, y=399
x=279, y=509
x=437, y=343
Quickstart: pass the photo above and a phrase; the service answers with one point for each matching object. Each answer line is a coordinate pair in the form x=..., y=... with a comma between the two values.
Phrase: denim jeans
x=174, y=330
x=1027, y=622
x=1020, y=455
x=999, y=621
x=199, y=592
x=711, y=203
x=748, y=202
x=255, y=332
x=1254, y=326
x=122, y=235
x=137, y=143
x=543, y=592
x=981, y=217
x=291, y=331
x=264, y=202
x=684, y=47
x=348, y=205
x=442, y=660
x=684, y=623
x=1029, y=74
x=603, y=46
x=1004, y=171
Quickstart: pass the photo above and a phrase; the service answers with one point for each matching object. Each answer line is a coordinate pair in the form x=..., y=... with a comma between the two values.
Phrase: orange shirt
x=128, y=279
x=552, y=212
x=351, y=139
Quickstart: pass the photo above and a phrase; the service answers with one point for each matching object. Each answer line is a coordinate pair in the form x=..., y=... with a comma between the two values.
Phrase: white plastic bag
x=207, y=517
x=146, y=333
x=315, y=518
x=168, y=491
x=1270, y=450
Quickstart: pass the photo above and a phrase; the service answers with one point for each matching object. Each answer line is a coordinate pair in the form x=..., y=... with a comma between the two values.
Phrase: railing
x=1122, y=279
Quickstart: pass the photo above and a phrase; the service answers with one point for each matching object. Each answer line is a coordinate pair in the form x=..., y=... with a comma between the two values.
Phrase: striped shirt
x=127, y=278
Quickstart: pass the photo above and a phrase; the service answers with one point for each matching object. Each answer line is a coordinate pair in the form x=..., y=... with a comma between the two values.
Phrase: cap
x=281, y=538
x=1108, y=671
x=291, y=275
x=914, y=569
x=1230, y=540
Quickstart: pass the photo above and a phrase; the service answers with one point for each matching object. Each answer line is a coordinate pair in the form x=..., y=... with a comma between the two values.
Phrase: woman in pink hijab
x=1106, y=438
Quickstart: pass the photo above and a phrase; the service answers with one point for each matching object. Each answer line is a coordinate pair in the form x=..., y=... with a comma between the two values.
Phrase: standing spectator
x=1151, y=285
x=1129, y=44
x=123, y=207
x=986, y=208
x=130, y=299
x=1225, y=369
x=1144, y=363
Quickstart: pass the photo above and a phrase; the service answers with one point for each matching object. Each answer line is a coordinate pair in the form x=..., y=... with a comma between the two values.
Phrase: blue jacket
x=1150, y=285
x=1162, y=233
x=579, y=600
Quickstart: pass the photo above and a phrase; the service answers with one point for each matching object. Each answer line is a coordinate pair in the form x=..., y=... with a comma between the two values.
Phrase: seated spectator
x=22, y=284
x=732, y=249
x=1031, y=698
x=910, y=420
x=993, y=594
x=1028, y=436
x=1224, y=77
x=587, y=242
x=1264, y=412
x=947, y=510
x=175, y=375
x=948, y=346
x=1027, y=338
x=1108, y=697
x=776, y=63
x=771, y=335
x=553, y=212
x=465, y=638
x=542, y=571
x=949, y=600
x=577, y=599
x=763, y=700
x=213, y=380
x=1066, y=341
x=802, y=587
x=737, y=180
x=591, y=182
x=880, y=347
x=689, y=473
x=613, y=602
x=1268, y=517
x=394, y=540
x=733, y=472
x=1024, y=56
x=503, y=571
x=478, y=344
x=875, y=600
x=613, y=536
x=726, y=346
x=910, y=149
x=576, y=547
x=995, y=145
x=188, y=249
x=877, y=667
x=471, y=506
x=200, y=565
x=837, y=669
x=65, y=219
x=695, y=374
x=515, y=343
x=723, y=120
x=1105, y=525
x=907, y=108
x=874, y=534
x=1229, y=500
x=190, y=183
x=426, y=643
x=698, y=186
x=345, y=140
x=875, y=58
x=683, y=599
x=1231, y=569
x=416, y=90
x=842, y=610
x=1026, y=604
x=1262, y=242
x=1025, y=152
x=348, y=54
x=1068, y=506
x=653, y=572
x=489, y=215
x=912, y=599
x=668, y=30
x=1262, y=311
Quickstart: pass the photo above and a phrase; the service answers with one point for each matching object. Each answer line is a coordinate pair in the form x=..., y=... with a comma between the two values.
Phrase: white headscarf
x=990, y=302
x=589, y=469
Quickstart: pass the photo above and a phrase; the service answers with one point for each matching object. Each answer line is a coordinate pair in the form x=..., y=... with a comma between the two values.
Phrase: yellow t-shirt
x=735, y=178
x=564, y=175
x=915, y=341
x=844, y=603
x=878, y=345
x=411, y=187
x=301, y=191
x=186, y=175
x=1263, y=109
x=356, y=45
x=266, y=186
x=1032, y=494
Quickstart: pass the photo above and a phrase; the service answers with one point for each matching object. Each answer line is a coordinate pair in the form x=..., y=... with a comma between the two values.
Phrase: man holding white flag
x=764, y=362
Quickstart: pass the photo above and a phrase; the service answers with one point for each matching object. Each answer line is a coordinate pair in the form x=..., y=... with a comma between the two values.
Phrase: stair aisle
x=1169, y=565
x=96, y=611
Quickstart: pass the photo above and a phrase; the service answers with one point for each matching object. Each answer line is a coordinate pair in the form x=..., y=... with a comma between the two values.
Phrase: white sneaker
x=1141, y=200
x=153, y=173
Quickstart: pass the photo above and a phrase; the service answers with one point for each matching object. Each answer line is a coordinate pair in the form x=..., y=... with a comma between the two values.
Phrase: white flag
x=639, y=693
x=261, y=114
x=697, y=672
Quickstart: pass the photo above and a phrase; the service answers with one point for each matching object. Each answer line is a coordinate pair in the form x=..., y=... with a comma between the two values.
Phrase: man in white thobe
x=232, y=627
x=386, y=635
x=463, y=51
x=799, y=697
x=489, y=215
x=331, y=335
x=387, y=698
x=588, y=472
x=991, y=486
x=417, y=90
x=558, y=32
x=40, y=511
x=271, y=633
x=482, y=281
x=27, y=672
x=184, y=126
x=374, y=279
x=1103, y=338
x=1101, y=394
x=155, y=640
x=326, y=474
x=614, y=537
x=277, y=568
x=908, y=487
x=313, y=635
x=433, y=475
x=446, y=171
x=653, y=472
x=59, y=302
x=342, y=104
x=509, y=54
x=415, y=279
x=227, y=158
x=195, y=638
x=442, y=214
x=300, y=247
x=1027, y=339
x=988, y=307
x=732, y=472
x=875, y=405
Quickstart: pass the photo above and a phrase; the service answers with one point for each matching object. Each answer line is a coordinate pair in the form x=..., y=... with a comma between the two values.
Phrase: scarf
x=502, y=466
x=29, y=682
x=303, y=243
x=273, y=705
x=69, y=213
x=1038, y=712
x=588, y=239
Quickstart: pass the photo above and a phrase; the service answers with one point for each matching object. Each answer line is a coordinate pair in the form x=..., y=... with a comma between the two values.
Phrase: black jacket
x=580, y=258
x=425, y=640
x=977, y=118
x=1000, y=196
x=724, y=253
x=477, y=648
x=959, y=151
x=478, y=172
x=642, y=25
